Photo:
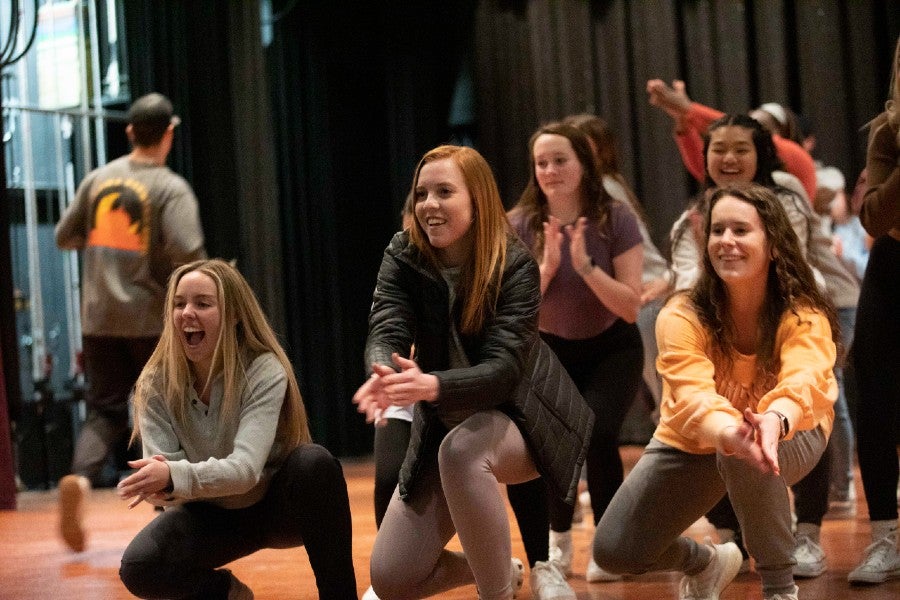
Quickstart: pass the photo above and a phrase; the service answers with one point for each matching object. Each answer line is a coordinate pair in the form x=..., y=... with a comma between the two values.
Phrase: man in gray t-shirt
x=134, y=221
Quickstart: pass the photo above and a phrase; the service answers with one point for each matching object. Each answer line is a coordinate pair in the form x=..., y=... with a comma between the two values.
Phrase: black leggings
x=179, y=553
x=528, y=500
x=391, y=441
x=608, y=372
x=875, y=352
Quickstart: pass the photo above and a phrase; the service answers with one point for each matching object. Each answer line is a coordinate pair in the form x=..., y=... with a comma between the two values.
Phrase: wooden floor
x=34, y=564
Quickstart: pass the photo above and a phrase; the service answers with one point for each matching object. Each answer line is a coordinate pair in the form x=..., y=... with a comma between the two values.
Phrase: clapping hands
x=387, y=386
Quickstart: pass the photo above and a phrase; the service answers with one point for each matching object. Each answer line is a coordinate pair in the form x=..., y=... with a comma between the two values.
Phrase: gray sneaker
x=809, y=556
x=882, y=562
x=709, y=583
x=548, y=582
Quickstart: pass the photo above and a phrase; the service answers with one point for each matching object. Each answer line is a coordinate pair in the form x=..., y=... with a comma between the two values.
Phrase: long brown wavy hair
x=245, y=334
x=595, y=201
x=790, y=284
x=479, y=281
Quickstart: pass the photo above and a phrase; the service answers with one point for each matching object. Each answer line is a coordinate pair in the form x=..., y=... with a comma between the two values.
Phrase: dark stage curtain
x=360, y=91
x=301, y=154
x=207, y=57
x=301, y=150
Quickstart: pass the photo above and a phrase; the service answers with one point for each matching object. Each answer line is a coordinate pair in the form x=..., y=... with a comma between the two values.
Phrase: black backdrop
x=301, y=152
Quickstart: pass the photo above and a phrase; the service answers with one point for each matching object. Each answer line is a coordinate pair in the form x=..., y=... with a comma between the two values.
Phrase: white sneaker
x=73, y=493
x=793, y=595
x=729, y=535
x=809, y=556
x=548, y=582
x=882, y=562
x=709, y=583
x=516, y=575
x=370, y=594
x=596, y=574
x=561, y=550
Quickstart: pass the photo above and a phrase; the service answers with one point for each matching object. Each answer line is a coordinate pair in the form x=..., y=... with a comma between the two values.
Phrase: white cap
x=776, y=110
x=831, y=178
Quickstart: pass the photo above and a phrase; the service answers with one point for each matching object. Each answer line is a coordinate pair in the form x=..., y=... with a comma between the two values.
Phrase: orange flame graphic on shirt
x=120, y=216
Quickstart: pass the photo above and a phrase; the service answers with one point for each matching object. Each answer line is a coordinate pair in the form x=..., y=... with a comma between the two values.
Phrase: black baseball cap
x=153, y=110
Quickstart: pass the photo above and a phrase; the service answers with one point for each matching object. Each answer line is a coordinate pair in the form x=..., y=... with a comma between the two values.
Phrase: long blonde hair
x=245, y=334
x=479, y=282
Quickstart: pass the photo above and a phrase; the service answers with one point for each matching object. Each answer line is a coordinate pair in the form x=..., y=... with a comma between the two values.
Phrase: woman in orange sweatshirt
x=747, y=359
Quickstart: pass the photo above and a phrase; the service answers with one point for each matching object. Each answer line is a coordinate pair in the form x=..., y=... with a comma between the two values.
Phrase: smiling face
x=557, y=169
x=444, y=210
x=731, y=156
x=738, y=246
x=197, y=319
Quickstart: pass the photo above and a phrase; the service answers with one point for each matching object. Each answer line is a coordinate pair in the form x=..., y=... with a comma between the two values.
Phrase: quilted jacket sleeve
x=391, y=320
x=506, y=342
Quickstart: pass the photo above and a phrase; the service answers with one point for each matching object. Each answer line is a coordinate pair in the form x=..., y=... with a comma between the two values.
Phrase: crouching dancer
x=747, y=361
x=492, y=403
x=227, y=451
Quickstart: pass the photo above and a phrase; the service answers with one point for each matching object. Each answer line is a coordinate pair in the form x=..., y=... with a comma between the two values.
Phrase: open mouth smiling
x=194, y=336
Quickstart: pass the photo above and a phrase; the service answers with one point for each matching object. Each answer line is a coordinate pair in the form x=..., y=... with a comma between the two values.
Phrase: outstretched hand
x=768, y=433
x=152, y=477
x=672, y=99
x=371, y=398
x=409, y=385
x=386, y=387
x=740, y=441
x=755, y=440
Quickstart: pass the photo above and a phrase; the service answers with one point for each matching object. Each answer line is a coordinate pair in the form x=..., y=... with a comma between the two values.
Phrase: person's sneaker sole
x=72, y=494
x=879, y=577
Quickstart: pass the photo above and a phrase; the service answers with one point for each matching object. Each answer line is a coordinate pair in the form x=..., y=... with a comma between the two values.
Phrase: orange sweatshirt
x=699, y=398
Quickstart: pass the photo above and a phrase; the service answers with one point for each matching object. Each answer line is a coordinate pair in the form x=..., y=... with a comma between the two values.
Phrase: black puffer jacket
x=512, y=370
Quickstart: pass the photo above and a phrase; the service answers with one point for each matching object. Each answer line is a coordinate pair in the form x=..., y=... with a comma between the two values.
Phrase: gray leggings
x=456, y=493
x=668, y=490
